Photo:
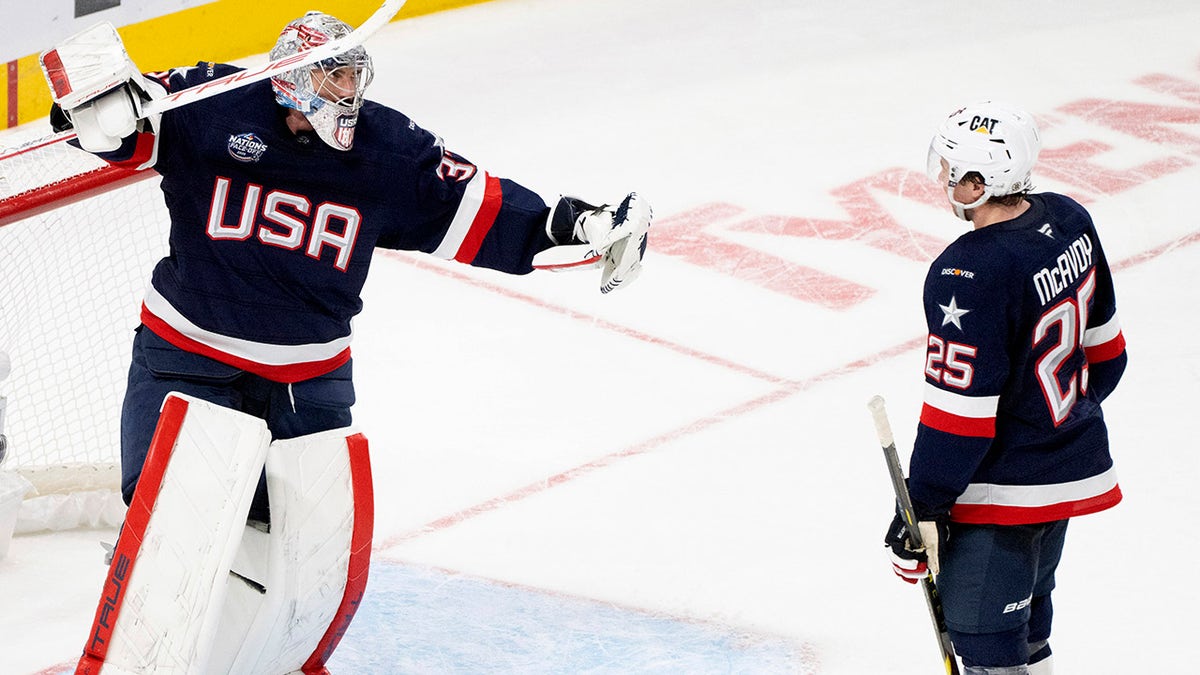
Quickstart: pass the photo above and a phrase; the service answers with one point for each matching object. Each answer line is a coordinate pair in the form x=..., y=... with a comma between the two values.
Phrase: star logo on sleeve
x=952, y=313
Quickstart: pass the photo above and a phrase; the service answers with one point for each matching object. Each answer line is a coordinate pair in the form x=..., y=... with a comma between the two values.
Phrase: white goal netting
x=78, y=240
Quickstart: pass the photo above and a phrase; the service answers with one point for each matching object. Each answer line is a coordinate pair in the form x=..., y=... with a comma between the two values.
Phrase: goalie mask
x=329, y=92
x=998, y=141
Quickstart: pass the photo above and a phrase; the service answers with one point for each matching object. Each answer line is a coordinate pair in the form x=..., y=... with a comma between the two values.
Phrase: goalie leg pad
x=317, y=555
x=181, y=531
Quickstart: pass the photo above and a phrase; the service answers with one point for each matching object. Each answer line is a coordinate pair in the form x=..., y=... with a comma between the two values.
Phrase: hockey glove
x=97, y=86
x=909, y=563
x=586, y=237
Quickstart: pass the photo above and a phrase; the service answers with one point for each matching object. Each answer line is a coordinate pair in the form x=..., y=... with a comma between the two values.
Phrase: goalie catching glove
x=587, y=237
x=98, y=88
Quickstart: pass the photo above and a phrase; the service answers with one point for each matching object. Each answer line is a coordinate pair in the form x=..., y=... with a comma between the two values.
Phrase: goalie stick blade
x=384, y=14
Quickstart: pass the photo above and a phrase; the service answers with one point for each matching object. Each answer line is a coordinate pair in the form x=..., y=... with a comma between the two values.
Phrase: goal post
x=78, y=240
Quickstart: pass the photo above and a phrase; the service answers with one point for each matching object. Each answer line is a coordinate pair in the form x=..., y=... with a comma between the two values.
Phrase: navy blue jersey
x=1024, y=344
x=272, y=232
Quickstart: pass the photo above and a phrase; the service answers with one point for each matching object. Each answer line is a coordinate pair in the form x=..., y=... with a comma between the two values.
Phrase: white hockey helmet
x=331, y=108
x=999, y=141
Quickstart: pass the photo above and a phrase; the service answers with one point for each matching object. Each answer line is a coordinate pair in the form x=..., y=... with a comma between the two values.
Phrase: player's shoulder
x=956, y=268
x=1058, y=203
x=184, y=77
x=972, y=248
x=1061, y=214
x=973, y=263
x=386, y=130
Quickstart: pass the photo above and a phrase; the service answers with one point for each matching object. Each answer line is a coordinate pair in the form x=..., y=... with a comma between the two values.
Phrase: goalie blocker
x=95, y=85
x=193, y=588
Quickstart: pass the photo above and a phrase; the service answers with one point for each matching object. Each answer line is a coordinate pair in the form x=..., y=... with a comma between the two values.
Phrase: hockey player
x=278, y=193
x=1024, y=344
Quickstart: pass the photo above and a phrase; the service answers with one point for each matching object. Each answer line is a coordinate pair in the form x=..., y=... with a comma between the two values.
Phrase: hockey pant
x=996, y=585
x=157, y=368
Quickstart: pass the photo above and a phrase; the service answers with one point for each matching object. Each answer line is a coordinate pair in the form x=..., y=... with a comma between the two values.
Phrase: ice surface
x=571, y=482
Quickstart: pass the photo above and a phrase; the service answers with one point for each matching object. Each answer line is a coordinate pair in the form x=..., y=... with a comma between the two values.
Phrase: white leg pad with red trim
x=171, y=563
x=301, y=583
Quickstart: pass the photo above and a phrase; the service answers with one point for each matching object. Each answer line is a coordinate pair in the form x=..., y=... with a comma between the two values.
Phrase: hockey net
x=78, y=239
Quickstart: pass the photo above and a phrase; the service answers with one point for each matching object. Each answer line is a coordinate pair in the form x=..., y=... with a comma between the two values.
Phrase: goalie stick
x=242, y=78
x=330, y=49
x=932, y=599
x=33, y=202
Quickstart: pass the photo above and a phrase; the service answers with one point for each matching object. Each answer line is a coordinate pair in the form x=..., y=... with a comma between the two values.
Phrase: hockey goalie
x=247, y=539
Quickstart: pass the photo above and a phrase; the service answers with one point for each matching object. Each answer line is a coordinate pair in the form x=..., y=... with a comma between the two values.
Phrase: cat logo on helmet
x=983, y=125
x=998, y=141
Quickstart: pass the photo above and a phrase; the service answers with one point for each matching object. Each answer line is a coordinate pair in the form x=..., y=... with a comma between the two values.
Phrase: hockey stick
x=242, y=78
x=932, y=599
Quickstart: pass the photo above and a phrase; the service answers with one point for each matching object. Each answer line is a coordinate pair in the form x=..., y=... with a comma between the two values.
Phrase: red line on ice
x=785, y=387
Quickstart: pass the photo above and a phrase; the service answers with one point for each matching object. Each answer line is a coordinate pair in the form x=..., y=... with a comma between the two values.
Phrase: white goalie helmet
x=999, y=141
x=329, y=92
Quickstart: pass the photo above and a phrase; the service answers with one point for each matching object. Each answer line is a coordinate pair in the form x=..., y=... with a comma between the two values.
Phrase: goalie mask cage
x=78, y=240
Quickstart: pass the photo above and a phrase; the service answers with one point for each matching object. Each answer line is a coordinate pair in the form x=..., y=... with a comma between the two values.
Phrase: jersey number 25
x=1070, y=316
x=949, y=362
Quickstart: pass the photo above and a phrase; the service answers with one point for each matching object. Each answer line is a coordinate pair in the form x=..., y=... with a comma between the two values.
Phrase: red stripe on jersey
x=133, y=532
x=287, y=373
x=493, y=198
x=1000, y=514
x=142, y=150
x=1107, y=351
x=978, y=427
x=360, y=555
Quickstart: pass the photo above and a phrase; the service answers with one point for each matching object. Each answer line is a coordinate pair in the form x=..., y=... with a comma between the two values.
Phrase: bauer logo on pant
x=1017, y=606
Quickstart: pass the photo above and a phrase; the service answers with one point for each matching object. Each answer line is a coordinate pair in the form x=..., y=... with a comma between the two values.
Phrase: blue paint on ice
x=416, y=620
